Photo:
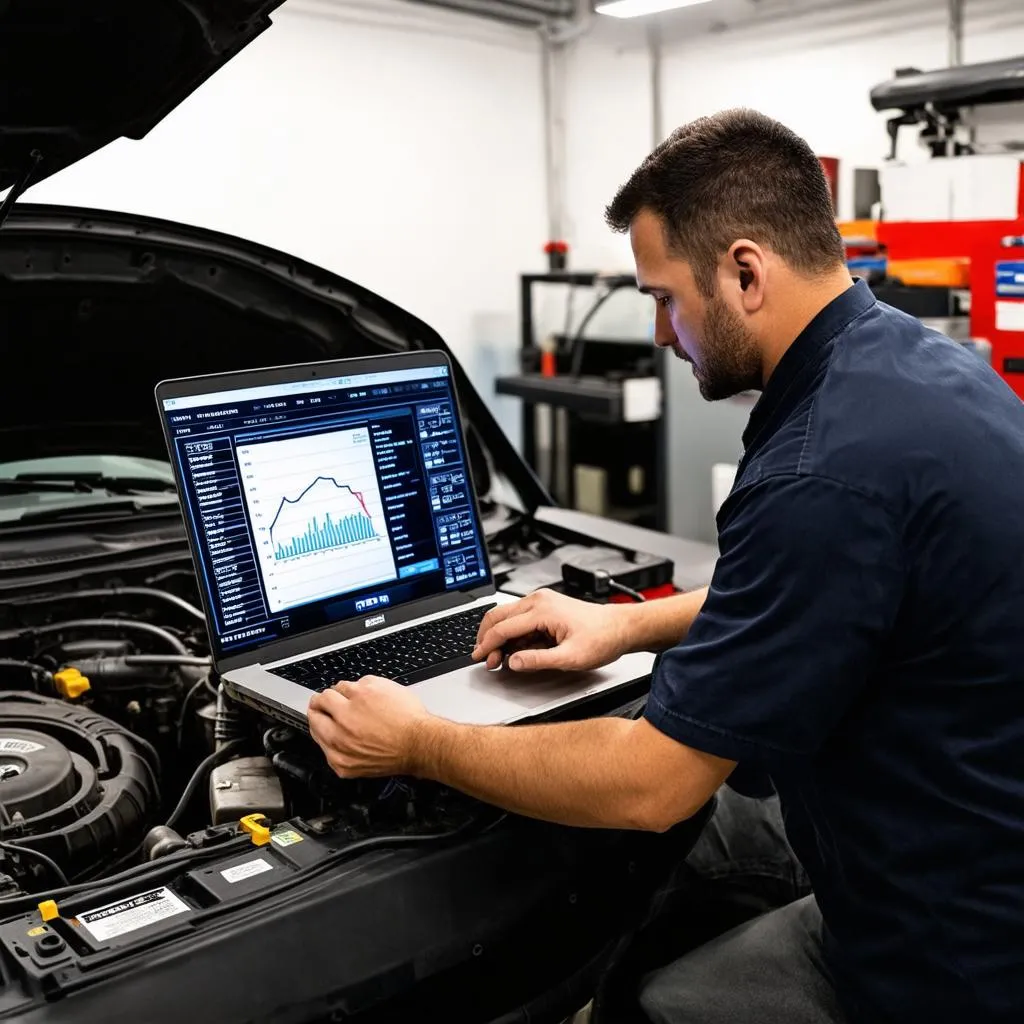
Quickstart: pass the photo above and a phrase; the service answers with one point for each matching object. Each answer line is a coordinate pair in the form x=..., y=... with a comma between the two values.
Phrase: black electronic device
x=600, y=573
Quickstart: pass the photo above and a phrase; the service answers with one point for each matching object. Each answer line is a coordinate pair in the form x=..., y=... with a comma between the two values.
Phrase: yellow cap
x=251, y=823
x=48, y=910
x=70, y=683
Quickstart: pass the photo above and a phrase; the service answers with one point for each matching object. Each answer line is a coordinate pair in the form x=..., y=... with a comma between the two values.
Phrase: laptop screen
x=321, y=500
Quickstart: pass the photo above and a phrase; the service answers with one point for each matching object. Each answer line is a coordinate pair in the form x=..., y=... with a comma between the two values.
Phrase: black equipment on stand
x=592, y=421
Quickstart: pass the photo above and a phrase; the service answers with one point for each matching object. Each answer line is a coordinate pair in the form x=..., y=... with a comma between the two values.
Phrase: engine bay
x=116, y=742
x=144, y=812
x=145, y=815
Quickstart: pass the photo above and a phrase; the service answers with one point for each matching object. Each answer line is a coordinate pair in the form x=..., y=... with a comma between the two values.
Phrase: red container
x=830, y=165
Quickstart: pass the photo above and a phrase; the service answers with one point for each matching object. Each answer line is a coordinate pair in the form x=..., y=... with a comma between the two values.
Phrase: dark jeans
x=741, y=929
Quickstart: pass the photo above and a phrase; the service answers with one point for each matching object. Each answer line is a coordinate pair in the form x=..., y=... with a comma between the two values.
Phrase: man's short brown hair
x=735, y=175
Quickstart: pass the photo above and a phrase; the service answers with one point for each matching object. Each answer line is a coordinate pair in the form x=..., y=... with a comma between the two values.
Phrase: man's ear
x=744, y=271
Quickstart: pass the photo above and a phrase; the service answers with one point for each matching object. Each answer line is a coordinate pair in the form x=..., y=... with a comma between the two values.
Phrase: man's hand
x=551, y=631
x=368, y=728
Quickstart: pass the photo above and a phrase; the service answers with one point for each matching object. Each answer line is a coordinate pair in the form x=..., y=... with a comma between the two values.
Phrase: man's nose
x=664, y=333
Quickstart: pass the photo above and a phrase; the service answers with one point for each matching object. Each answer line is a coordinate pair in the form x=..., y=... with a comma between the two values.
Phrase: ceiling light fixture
x=638, y=8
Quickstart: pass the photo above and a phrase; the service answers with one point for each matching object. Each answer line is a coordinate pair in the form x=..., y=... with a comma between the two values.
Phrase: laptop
x=336, y=533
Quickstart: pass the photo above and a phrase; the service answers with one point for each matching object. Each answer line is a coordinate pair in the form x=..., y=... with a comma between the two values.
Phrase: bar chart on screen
x=315, y=506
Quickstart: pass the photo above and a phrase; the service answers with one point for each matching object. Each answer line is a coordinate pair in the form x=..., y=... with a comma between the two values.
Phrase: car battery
x=300, y=922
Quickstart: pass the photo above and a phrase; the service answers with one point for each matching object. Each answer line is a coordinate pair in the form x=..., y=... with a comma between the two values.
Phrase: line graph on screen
x=316, y=511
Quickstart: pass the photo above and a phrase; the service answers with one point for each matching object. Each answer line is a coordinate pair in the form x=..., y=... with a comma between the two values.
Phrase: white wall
x=809, y=63
x=405, y=154
x=608, y=132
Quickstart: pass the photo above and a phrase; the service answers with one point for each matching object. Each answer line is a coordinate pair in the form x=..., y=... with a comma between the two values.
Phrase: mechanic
x=862, y=640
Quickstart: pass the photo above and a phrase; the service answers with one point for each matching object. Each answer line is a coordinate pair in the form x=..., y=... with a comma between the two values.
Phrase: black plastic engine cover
x=73, y=784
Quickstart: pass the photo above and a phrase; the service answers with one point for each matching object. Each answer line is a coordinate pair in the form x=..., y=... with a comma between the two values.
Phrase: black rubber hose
x=185, y=660
x=185, y=705
x=51, y=865
x=198, y=776
x=37, y=672
x=579, y=343
x=123, y=624
x=150, y=592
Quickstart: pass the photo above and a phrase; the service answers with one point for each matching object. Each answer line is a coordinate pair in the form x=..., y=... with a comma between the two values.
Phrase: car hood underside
x=98, y=307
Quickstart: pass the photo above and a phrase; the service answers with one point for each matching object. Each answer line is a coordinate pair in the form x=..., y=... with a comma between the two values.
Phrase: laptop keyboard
x=407, y=655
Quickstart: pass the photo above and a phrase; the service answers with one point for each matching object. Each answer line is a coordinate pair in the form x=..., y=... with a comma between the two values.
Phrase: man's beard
x=730, y=362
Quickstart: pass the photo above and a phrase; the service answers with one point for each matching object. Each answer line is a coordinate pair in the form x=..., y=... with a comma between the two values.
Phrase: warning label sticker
x=246, y=870
x=116, y=919
x=285, y=837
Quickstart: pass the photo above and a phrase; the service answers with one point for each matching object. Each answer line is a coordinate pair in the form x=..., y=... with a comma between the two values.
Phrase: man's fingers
x=514, y=628
x=343, y=688
x=320, y=722
x=499, y=614
x=543, y=659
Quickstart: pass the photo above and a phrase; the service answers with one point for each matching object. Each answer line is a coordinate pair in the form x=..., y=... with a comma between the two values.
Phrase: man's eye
x=664, y=301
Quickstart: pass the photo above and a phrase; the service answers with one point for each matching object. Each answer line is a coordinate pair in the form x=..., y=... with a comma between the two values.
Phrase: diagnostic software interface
x=316, y=501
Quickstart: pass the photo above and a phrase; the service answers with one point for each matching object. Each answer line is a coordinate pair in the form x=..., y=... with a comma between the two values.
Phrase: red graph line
x=294, y=501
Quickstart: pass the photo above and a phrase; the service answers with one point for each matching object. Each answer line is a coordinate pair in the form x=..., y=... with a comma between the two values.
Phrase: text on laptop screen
x=317, y=501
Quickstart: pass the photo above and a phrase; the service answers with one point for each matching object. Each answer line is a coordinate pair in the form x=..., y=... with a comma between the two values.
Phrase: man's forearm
x=573, y=773
x=658, y=625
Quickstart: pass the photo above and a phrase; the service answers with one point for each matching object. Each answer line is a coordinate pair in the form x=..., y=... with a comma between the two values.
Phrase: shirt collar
x=779, y=394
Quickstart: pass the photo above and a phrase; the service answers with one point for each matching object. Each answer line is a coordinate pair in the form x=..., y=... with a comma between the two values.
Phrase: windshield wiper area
x=14, y=486
x=93, y=512
x=84, y=483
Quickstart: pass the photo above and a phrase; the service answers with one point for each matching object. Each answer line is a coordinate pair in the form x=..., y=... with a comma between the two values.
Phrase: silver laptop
x=336, y=533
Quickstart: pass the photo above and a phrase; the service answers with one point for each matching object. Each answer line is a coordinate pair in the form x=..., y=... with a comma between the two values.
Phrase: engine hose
x=186, y=704
x=27, y=852
x=39, y=675
x=198, y=777
x=184, y=660
x=225, y=724
x=148, y=592
x=123, y=624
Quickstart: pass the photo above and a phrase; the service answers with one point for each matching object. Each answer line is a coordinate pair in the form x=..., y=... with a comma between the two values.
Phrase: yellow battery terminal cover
x=258, y=827
x=70, y=683
x=48, y=910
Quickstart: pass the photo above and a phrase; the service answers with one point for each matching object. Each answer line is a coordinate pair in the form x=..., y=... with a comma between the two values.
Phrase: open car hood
x=77, y=75
x=99, y=306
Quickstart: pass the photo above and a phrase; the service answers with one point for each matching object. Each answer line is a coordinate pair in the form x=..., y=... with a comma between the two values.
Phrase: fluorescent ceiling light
x=637, y=8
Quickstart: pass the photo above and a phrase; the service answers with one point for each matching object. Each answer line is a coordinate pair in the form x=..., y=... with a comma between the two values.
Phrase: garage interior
x=392, y=177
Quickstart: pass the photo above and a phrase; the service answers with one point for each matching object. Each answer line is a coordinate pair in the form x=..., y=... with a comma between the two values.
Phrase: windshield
x=76, y=482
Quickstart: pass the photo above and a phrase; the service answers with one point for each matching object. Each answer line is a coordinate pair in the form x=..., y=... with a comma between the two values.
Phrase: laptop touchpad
x=476, y=695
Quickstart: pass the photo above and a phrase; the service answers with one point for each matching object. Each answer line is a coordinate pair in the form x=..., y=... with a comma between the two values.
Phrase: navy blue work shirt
x=863, y=642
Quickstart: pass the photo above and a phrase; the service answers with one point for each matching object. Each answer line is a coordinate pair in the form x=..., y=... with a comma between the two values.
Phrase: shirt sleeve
x=805, y=592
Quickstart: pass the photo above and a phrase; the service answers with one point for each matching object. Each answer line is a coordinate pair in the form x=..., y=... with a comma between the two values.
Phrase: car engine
x=117, y=745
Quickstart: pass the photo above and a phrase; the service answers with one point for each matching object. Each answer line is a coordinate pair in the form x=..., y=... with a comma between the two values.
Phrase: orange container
x=936, y=273
x=859, y=232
